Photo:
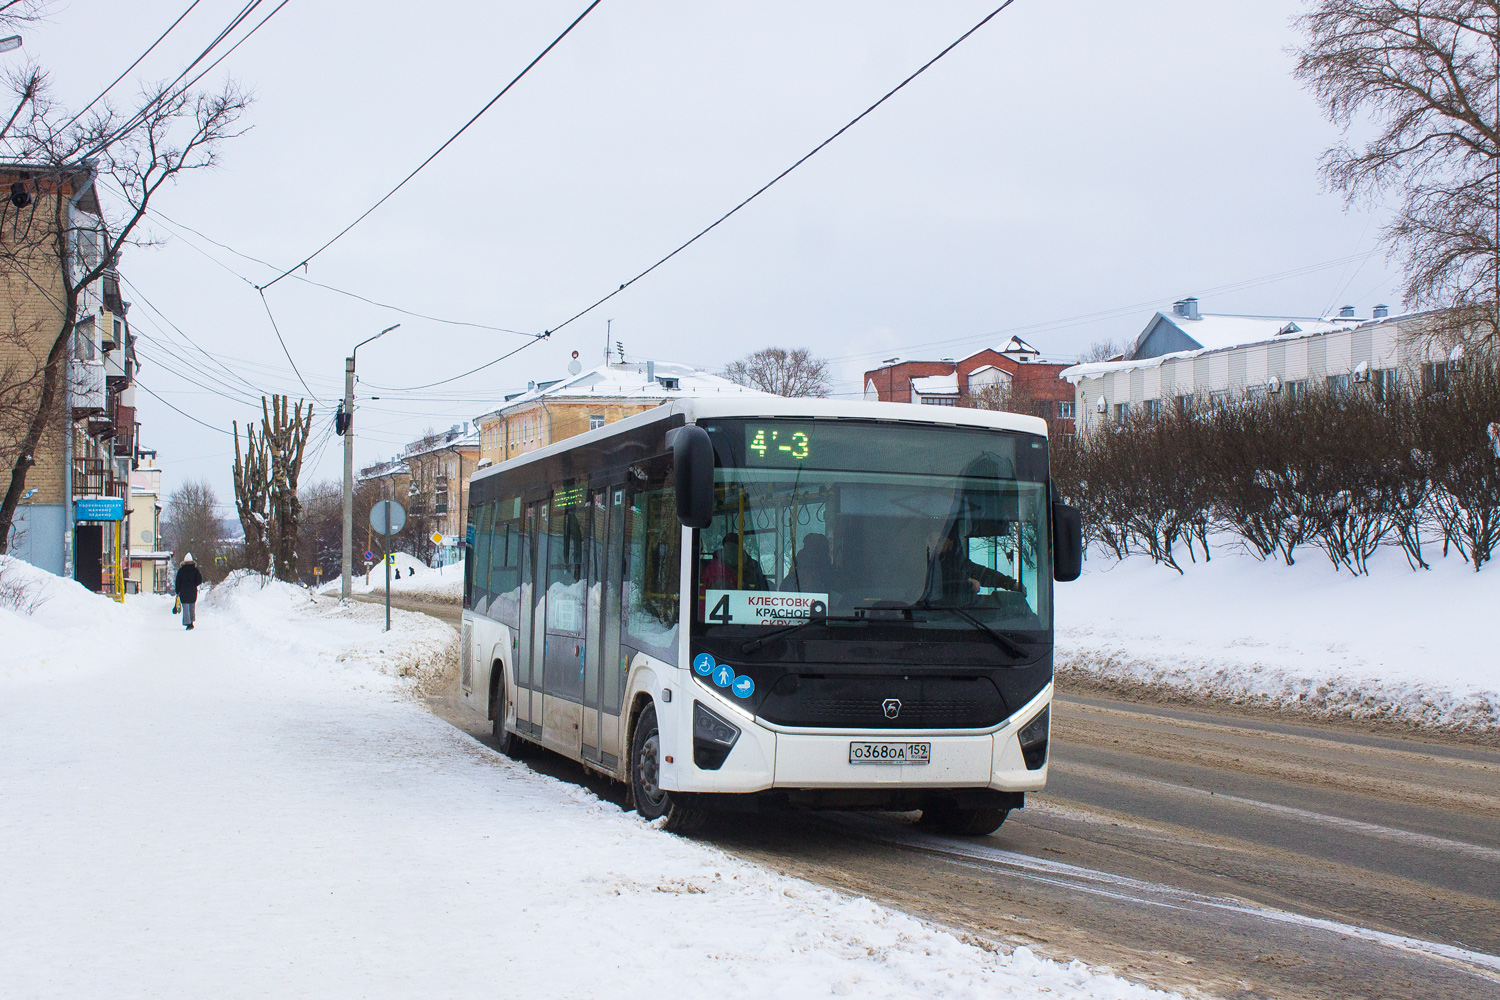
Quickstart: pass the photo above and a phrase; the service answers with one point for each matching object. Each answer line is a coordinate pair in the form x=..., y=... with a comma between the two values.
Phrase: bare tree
x=780, y=371
x=191, y=524
x=49, y=244
x=1425, y=74
x=285, y=431
x=252, y=495
x=1108, y=349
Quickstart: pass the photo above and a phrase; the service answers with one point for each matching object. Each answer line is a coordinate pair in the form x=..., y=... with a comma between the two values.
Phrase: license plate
x=890, y=753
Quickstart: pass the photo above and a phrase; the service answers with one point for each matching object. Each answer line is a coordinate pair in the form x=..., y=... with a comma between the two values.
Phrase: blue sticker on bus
x=743, y=687
x=703, y=664
x=723, y=675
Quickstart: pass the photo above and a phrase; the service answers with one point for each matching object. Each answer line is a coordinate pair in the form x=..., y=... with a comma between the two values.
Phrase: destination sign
x=760, y=607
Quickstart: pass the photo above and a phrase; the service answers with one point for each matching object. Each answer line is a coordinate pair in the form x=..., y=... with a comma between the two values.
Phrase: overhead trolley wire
x=503, y=91
x=723, y=218
x=181, y=411
x=139, y=115
x=316, y=284
x=116, y=81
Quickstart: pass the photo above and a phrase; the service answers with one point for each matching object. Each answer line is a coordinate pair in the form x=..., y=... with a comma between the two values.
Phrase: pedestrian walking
x=186, y=586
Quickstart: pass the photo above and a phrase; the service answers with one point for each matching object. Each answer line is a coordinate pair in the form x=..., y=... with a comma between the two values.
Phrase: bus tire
x=506, y=741
x=963, y=822
x=653, y=802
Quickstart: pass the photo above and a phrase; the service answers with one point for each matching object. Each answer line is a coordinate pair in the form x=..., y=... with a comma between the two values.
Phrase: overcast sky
x=1090, y=159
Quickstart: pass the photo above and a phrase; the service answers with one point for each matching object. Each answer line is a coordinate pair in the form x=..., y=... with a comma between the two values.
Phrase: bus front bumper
x=765, y=759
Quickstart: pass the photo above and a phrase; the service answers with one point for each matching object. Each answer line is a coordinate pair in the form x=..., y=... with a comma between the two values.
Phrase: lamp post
x=344, y=424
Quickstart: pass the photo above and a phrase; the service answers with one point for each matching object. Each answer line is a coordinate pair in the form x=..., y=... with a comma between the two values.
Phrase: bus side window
x=653, y=568
x=505, y=562
x=477, y=570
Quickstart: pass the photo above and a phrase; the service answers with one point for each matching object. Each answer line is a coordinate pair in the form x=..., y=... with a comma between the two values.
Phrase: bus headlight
x=713, y=738
x=1033, y=737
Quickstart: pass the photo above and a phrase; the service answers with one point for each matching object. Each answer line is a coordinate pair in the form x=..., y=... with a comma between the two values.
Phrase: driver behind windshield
x=954, y=578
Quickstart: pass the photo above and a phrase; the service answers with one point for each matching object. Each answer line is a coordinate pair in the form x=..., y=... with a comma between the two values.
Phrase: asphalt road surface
x=1200, y=850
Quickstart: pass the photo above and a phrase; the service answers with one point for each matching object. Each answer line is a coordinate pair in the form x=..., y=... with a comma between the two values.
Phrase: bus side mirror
x=693, y=461
x=1067, y=543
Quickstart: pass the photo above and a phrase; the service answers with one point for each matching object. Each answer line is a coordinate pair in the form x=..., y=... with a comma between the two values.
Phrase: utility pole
x=344, y=424
x=347, y=565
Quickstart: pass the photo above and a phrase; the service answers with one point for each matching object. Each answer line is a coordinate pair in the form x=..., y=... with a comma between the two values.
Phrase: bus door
x=532, y=651
x=601, y=676
x=561, y=685
x=612, y=661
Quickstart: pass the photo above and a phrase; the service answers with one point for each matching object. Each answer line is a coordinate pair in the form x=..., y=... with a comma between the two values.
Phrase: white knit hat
x=187, y=557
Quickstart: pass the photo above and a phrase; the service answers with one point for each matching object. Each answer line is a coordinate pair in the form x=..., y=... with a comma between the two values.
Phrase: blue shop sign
x=101, y=508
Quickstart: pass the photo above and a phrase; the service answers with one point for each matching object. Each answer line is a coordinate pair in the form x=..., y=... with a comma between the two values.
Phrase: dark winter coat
x=188, y=579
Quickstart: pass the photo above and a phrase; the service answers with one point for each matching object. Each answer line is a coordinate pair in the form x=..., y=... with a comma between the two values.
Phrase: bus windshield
x=880, y=521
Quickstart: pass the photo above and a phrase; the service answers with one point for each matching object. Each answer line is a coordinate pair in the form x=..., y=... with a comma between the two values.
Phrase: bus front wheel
x=963, y=822
x=653, y=802
x=508, y=742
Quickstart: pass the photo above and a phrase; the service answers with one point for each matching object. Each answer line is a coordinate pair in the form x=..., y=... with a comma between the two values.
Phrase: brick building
x=1015, y=377
x=73, y=518
x=552, y=411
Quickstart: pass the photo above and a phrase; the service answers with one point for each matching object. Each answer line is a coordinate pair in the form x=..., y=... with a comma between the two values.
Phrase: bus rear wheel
x=963, y=822
x=653, y=802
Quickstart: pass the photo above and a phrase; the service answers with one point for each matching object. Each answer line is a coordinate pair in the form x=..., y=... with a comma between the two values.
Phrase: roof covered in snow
x=640, y=381
x=935, y=385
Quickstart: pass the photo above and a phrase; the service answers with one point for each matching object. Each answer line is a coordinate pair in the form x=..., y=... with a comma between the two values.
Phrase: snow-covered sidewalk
x=260, y=808
x=1417, y=648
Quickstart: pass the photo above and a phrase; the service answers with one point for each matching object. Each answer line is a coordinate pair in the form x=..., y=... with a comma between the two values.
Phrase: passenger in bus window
x=812, y=568
x=725, y=572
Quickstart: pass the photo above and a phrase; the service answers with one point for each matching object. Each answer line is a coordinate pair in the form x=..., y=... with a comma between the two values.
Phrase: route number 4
x=720, y=613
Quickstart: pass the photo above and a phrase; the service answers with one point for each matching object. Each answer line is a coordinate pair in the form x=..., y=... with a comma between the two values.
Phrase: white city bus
x=764, y=602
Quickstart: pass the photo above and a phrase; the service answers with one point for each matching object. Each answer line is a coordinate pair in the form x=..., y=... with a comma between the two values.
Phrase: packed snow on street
x=1416, y=648
x=262, y=807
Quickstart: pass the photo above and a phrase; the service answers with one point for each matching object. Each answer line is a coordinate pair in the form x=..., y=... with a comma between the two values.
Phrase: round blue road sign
x=703, y=664
x=743, y=687
x=723, y=675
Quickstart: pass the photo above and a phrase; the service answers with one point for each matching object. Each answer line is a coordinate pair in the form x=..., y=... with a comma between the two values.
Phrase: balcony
x=86, y=383
x=91, y=478
x=119, y=488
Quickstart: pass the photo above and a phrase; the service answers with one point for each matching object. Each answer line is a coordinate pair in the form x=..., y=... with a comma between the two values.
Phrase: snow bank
x=51, y=626
x=257, y=808
x=417, y=579
x=1412, y=648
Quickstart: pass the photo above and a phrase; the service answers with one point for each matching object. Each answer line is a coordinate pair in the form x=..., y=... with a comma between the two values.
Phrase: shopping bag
x=176, y=605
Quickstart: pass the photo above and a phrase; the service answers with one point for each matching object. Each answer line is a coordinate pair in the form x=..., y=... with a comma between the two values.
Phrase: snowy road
x=1206, y=849
x=261, y=808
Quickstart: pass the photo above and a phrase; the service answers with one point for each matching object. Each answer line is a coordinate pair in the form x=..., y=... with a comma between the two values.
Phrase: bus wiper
x=757, y=643
x=1001, y=640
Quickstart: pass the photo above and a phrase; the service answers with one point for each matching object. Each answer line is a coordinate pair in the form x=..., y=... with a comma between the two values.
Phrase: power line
x=717, y=222
x=139, y=116
x=284, y=350
x=316, y=284
x=503, y=91
x=181, y=411
x=807, y=156
x=114, y=83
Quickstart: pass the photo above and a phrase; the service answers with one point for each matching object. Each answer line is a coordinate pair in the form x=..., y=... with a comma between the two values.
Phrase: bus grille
x=865, y=702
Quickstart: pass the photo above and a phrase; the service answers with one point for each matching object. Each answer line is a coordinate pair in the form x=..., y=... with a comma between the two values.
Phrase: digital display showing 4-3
x=778, y=443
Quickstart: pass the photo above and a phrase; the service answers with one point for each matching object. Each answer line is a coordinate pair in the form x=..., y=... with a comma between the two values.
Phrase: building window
x=1122, y=412
x=596, y=421
x=1066, y=409
x=1152, y=407
x=1337, y=384
x=1383, y=382
x=1434, y=377
x=1295, y=390
x=938, y=401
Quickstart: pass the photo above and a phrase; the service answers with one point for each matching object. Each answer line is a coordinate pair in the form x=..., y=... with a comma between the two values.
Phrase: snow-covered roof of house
x=1216, y=332
x=935, y=385
x=637, y=380
x=1016, y=345
x=456, y=437
x=1224, y=337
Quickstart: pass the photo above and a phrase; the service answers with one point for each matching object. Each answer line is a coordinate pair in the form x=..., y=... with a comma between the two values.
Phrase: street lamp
x=344, y=424
x=13, y=42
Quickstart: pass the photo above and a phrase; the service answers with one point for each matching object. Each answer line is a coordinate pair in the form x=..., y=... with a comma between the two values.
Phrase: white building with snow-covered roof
x=1186, y=358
